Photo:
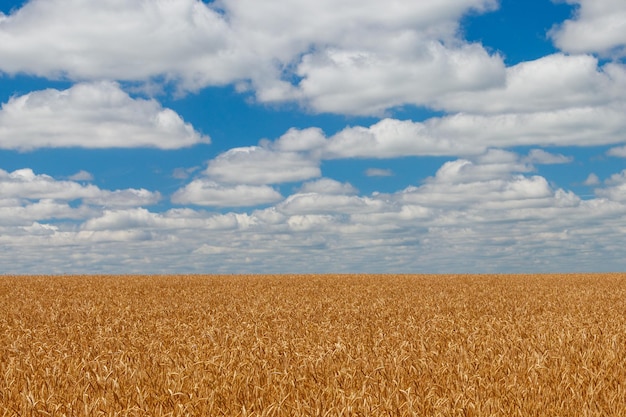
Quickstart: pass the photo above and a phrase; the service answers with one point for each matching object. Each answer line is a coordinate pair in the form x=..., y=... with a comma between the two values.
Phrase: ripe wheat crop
x=342, y=345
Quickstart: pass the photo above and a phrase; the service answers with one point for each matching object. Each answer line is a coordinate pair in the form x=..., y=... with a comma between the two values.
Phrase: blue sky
x=240, y=136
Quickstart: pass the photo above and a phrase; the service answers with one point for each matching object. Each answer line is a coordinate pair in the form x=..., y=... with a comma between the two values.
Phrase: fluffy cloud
x=296, y=140
x=466, y=134
x=476, y=214
x=484, y=209
x=28, y=199
x=539, y=156
x=619, y=152
x=615, y=189
x=22, y=214
x=91, y=115
x=119, y=220
x=328, y=186
x=399, y=51
x=592, y=179
x=204, y=192
x=365, y=82
x=83, y=40
x=518, y=192
x=386, y=55
x=599, y=26
x=81, y=176
x=25, y=184
x=257, y=165
x=314, y=203
x=492, y=182
x=550, y=83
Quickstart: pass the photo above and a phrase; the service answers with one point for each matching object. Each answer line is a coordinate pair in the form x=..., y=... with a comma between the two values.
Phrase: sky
x=298, y=136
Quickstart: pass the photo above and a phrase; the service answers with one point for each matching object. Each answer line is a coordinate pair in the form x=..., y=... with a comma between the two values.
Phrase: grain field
x=313, y=345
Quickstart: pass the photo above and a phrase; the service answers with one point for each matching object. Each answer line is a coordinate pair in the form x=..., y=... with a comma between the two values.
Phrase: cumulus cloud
x=599, y=26
x=117, y=220
x=392, y=138
x=386, y=56
x=550, y=83
x=615, y=188
x=296, y=140
x=314, y=203
x=399, y=51
x=257, y=165
x=592, y=179
x=484, y=209
x=473, y=213
x=328, y=186
x=91, y=115
x=619, y=152
x=81, y=175
x=464, y=184
x=23, y=213
x=539, y=156
x=364, y=82
x=204, y=192
x=25, y=184
x=467, y=134
x=85, y=40
x=28, y=200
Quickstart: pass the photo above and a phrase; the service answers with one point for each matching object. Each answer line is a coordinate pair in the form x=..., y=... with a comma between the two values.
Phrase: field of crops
x=342, y=345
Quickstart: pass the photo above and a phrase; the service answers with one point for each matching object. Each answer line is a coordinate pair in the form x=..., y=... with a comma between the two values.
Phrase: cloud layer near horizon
x=480, y=214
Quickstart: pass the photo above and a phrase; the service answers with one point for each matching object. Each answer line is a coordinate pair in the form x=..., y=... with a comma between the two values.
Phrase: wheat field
x=313, y=345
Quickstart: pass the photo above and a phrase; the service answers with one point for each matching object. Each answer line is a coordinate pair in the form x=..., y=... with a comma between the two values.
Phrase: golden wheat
x=343, y=345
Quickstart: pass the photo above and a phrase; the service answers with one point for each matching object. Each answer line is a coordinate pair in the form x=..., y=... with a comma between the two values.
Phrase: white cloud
x=85, y=40
x=81, y=176
x=328, y=20
x=398, y=51
x=21, y=213
x=365, y=82
x=378, y=172
x=619, y=152
x=363, y=57
x=599, y=26
x=204, y=192
x=466, y=134
x=295, y=140
x=119, y=220
x=462, y=184
x=310, y=222
x=615, y=189
x=328, y=186
x=483, y=211
x=26, y=185
x=257, y=165
x=124, y=198
x=314, y=203
x=391, y=138
x=472, y=215
x=28, y=200
x=91, y=115
x=550, y=83
x=539, y=156
x=494, y=164
x=497, y=194
x=592, y=179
